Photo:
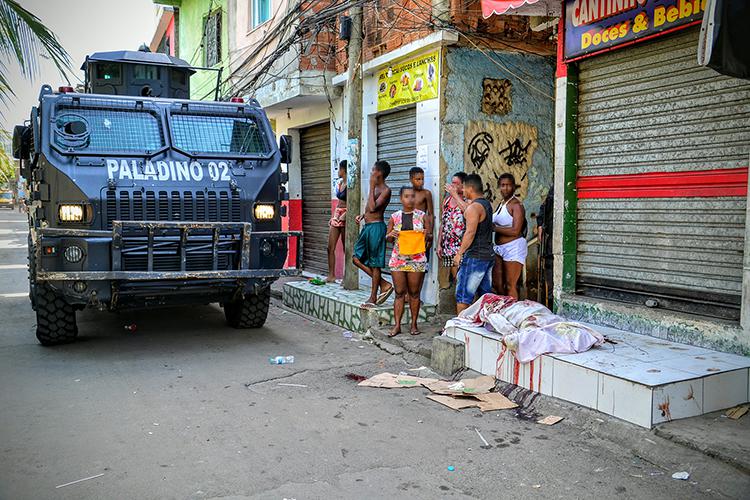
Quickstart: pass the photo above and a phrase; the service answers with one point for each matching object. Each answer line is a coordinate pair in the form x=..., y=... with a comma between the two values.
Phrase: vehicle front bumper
x=107, y=263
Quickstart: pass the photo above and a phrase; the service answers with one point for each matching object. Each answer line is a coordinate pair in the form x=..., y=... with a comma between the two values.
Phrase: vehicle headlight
x=264, y=211
x=71, y=213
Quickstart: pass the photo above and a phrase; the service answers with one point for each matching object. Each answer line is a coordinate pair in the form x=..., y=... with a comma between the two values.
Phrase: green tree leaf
x=23, y=38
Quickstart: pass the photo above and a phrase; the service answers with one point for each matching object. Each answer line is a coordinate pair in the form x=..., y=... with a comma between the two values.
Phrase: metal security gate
x=397, y=144
x=649, y=110
x=315, y=159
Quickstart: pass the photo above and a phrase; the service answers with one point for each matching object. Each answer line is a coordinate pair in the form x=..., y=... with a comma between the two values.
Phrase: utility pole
x=353, y=106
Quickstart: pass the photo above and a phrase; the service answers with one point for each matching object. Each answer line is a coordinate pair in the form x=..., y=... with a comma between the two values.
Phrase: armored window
x=219, y=135
x=146, y=72
x=260, y=11
x=212, y=38
x=108, y=72
x=91, y=128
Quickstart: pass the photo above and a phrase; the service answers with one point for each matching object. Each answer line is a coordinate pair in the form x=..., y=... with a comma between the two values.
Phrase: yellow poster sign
x=410, y=81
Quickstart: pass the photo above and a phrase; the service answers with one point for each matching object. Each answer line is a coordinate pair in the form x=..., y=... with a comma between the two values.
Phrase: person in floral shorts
x=408, y=263
x=453, y=223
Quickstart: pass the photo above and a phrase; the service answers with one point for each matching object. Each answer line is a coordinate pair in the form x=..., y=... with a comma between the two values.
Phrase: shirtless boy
x=423, y=202
x=369, y=251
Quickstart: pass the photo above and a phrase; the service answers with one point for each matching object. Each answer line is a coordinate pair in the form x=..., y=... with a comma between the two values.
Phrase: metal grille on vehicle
x=163, y=205
x=167, y=251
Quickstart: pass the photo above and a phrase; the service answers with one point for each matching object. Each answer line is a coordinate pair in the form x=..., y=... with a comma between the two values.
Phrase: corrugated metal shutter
x=650, y=108
x=315, y=159
x=397, y=144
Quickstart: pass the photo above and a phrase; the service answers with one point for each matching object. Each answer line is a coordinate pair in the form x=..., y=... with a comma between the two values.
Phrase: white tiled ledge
x=641, y=379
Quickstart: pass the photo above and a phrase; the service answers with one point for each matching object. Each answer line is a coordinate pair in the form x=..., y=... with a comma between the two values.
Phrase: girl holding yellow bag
x=408, y=263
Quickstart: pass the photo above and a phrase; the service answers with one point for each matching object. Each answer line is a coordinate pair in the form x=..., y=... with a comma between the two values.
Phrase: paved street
x=186, y=407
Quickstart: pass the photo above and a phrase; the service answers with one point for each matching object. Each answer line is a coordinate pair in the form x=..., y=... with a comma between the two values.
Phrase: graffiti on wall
x=495, y=148
x=496, y=96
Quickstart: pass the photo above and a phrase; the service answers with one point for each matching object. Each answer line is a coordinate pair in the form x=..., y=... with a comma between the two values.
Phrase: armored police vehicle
x=142, y=198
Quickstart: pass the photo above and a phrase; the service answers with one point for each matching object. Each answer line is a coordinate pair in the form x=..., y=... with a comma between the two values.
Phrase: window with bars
x=218, y=135
x=212, y=39
x=261, y=11
x=79, y=128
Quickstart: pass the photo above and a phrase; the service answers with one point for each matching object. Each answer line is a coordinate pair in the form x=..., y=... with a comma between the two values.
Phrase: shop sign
x=409, y=81
x=595, y=25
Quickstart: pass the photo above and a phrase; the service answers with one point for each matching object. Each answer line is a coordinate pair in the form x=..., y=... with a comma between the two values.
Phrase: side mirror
x=22, y=142
x=285, y=147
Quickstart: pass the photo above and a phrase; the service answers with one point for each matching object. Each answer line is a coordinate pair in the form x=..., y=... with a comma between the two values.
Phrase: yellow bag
x=411, y=242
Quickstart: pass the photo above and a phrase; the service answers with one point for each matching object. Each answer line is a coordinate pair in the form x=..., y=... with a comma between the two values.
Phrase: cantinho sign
x=595, y=25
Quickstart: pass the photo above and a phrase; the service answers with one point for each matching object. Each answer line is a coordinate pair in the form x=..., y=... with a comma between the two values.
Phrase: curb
x=739, y=463
x=424, y=348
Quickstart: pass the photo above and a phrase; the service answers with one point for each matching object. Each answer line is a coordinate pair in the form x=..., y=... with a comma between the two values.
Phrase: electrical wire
x=302, y=26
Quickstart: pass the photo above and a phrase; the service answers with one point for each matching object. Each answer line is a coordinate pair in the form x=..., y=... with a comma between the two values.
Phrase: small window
x=212, y=39
x=261, y=11
x=219, y=134
x=108, y=72
x=145, y=72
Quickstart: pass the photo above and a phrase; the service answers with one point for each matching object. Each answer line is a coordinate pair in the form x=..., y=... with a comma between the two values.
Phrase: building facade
x=443, y=89
x=200, y=37
x=489, y=111
x=282, y=57
x=651, y=166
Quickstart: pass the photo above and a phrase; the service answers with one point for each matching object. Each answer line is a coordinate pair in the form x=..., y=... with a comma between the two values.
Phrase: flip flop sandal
x=384, y=295
x=391, y=335
x=367, y=305
x=415, y=333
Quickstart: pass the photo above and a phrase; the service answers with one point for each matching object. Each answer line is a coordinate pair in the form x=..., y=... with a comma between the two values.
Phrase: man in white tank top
x=510, y=245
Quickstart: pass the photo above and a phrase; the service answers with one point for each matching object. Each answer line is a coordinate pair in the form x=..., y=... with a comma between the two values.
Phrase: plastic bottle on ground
x=281, y=360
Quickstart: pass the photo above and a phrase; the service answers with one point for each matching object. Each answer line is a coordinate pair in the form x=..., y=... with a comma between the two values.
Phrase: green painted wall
x=191, y=16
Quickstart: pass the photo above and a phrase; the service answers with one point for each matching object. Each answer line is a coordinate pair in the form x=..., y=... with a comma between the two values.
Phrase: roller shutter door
x=650, y=108
x=315, y=159
x=397, y=144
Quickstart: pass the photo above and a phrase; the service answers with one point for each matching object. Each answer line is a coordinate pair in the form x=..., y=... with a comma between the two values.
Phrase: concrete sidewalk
x=714, y=434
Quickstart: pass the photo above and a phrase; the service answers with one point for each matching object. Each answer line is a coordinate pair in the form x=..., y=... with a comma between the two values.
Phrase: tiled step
x=341, y=307
x=640, y=379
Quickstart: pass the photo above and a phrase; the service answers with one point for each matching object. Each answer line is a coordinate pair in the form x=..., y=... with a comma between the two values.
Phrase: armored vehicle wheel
x=55, y=318
x=249, y=311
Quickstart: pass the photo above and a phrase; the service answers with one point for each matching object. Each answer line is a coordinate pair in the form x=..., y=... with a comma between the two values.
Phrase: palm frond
x=23, y=37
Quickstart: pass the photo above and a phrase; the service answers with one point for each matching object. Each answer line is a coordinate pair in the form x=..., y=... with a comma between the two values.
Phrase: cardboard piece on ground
x=479, y=385
x=737, y=412
x=494, y=401
x=391, y=381
x=549, y=420
x=454, y=403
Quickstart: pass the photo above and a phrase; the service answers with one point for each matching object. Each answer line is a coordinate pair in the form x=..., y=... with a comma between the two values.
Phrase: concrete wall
x=466, y=68
x=530, y=121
